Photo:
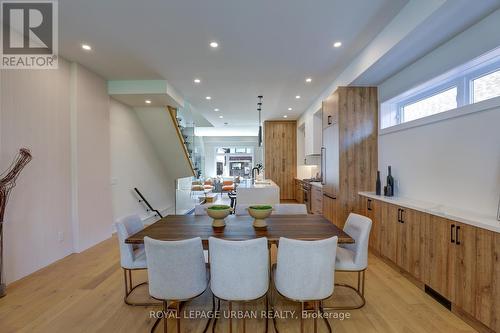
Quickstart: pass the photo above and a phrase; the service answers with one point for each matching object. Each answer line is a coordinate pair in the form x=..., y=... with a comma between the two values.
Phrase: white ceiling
x=266, y=47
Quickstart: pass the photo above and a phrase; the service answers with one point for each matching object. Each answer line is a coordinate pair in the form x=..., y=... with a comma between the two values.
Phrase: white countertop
x=488, y=222
x=249, y=184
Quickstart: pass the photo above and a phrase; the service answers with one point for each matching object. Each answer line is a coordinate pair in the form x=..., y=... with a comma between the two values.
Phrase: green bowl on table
x=219, y=213
x=260, y=213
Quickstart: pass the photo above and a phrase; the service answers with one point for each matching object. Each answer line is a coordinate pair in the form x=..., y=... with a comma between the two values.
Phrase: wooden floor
x=84, y=293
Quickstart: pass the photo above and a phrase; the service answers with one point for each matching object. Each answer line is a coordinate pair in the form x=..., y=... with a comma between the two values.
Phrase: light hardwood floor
x=84, y=293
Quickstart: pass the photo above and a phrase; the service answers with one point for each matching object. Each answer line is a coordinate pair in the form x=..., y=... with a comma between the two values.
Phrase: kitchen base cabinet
x=459, y=261
x=389, y=231
x=487, y=279
x=463, y=252
x=372, y=210
x=438, y=266
x=329, y=209
x=410, y=240
x=299, y=192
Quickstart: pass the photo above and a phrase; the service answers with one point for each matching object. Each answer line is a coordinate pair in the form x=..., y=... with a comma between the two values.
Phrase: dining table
x=301, y=227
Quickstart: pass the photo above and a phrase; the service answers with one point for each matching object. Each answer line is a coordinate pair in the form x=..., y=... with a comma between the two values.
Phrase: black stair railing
x=148, y=206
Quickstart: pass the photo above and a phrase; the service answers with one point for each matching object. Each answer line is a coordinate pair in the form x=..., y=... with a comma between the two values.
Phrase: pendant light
x=259, y=109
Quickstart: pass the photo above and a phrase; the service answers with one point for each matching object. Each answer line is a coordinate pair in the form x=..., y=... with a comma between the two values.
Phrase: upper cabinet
x=313, y=130
x=331, y=110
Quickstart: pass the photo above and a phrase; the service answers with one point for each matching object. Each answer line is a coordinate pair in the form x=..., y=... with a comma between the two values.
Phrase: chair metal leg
x=324, y=317
x=230, y=318
x=165, y=320
x=360, y=291
x=215, y=319
x=129, y=288
x=301, y=317
x=213, y=313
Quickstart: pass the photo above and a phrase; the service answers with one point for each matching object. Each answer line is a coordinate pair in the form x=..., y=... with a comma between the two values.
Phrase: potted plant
x=219, y=213
x=260, y=213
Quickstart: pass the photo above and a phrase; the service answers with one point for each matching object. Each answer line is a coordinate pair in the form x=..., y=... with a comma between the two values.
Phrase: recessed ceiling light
x=337, y=44
x=309, y=80
x=214, y=44
x=297, y=97
x=196, y=80
x=289, y=109
x=216, y=110
x=285, y=116
x=208, y=97
x=86, y=47
x=148, y=101
x=221, y=117
x=226, y=124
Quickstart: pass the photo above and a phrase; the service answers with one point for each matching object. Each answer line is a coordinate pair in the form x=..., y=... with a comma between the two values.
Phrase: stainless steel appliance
x=330, y=159
x=306, y=188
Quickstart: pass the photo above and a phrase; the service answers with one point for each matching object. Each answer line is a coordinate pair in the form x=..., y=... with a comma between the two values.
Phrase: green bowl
x=219, y=213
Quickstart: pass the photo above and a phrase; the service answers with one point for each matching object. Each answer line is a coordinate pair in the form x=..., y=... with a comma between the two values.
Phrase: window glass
x=486, y=87
x=443, y=101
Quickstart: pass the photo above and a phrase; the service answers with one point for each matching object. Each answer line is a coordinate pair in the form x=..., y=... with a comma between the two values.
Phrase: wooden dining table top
x=301, y=227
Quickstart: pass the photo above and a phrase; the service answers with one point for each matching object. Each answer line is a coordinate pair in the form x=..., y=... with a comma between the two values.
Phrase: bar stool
x=132, y=257
x=176, y=272
x=239, y=272
x=354, y=257
x=303, y=273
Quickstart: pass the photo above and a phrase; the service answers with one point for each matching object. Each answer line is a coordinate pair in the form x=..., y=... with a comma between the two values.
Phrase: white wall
x=454, y=162
x=92, y=211
x=34, y=113
x=134, y=163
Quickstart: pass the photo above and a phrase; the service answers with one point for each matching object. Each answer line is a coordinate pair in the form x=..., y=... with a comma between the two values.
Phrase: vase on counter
x=390, y=183
x=378, y=184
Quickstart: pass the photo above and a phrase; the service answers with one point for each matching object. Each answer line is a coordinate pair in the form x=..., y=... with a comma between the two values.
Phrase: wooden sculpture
x=7, y=183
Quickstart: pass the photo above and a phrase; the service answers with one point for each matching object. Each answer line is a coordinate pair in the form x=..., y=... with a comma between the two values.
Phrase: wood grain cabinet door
x=487, y=279
x=389, y=231
x=372, y=211
x=410, y=241
x=438, y=269
x=464, y=275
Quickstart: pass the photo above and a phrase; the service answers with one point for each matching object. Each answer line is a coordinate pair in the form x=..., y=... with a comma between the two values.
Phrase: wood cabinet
x=280, y=164
x=389, y=231
x=487, y=279
x=350, y=122
x=329, y=208
x=410, y=244
x=316, y=200
x=299, y=192
x=459, y=261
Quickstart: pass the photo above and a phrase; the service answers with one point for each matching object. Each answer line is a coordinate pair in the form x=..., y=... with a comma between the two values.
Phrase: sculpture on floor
x=7, y=183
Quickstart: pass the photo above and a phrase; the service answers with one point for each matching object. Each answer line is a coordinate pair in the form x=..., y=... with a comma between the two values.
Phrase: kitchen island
x=261, y=192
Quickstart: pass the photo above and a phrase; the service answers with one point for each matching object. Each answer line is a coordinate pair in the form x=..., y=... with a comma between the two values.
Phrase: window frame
x=461, y=77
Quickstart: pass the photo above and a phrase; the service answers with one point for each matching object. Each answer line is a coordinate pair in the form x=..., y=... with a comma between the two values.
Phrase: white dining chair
x=290, y=209
x=239, y=272
x=177, y=273
x=241, y=209
x=132, y=257
x=303, y=273
x=354, y=257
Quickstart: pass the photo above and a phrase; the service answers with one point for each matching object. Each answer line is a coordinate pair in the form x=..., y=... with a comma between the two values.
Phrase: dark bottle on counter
x=378, y=185
x=390, y=183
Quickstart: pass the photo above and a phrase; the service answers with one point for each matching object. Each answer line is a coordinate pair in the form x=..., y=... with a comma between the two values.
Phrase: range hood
x=312, y=159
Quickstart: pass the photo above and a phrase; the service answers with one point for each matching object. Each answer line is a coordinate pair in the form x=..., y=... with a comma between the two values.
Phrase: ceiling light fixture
x=214, y=44
x=297, y=97
x=208, y=98
x=290, y=109
x=221, y=117
x=285, y=116
x=216, y=110
x=196, y=80
x=86, y=47
x=337, y=44
x=148, y=101
x=308, y=80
